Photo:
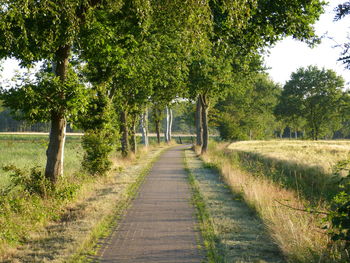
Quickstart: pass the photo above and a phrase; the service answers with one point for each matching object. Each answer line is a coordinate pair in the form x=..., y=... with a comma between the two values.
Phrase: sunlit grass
x=297, y=233
x=323, y=154
x=27, y=151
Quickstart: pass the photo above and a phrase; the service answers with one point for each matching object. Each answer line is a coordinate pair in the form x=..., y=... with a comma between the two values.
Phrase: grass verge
x=205, y=224
x=230, y=229
x=69, y=230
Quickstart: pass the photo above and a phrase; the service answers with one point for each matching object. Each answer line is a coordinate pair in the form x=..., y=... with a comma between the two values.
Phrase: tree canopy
x=314, y=94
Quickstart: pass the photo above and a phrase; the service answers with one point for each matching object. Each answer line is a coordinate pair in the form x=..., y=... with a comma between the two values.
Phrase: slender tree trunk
x=199, y=128
x=205, y=107
x=290, y=133
x=144, y=128
x=296, y=134
x=124, y=132
x=157, y=122
x=166, y=130
x=55, y=150
x=133, y=142
x=170, y=123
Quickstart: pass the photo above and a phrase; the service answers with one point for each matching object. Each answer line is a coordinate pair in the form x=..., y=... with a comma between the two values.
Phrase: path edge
x=91, y=250
x=205, y=223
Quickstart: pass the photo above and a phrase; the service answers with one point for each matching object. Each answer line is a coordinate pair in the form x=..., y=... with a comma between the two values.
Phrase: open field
x=27, y=151
x=321, y=154
x=291, y=196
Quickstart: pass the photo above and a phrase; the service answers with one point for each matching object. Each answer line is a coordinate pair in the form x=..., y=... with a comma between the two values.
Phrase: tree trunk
x=205, y=107
x=124, y=132
x=144, y=128
x=170, y=123
x=199, y=128
x=166, y=130
x=55, y=149
x=133, y=136
x=296, y=134
x=157, y=130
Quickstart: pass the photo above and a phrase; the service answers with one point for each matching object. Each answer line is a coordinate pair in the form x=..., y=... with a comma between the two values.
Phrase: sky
x=288, y=55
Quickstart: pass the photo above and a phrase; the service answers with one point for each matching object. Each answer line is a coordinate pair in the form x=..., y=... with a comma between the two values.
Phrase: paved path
x=160, y=224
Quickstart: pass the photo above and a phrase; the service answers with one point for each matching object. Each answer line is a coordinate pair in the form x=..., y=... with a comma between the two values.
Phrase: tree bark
x=157, y=130
x=199, y=128
x=124, y=132
x=166, y=130
x=205, y=107
x=133, y=136
x=55, y=149
x=170, y=124
x=144, y=128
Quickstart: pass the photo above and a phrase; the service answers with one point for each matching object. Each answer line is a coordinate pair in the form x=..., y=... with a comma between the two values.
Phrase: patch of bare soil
x=242, y=236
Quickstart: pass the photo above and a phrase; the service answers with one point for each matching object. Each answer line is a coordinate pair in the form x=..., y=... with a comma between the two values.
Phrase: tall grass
x=297, y=232
x=26, y=151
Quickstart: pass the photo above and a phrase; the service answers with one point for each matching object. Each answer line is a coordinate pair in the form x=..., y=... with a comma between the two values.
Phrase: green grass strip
x=210, y=239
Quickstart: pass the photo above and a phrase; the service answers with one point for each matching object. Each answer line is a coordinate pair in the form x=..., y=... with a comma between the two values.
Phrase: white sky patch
x=289, y=55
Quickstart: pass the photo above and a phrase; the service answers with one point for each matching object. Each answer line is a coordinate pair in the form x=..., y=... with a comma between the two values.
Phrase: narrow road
x=159, y=227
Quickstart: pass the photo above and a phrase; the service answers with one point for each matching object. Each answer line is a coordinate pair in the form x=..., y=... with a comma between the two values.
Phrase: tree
x=234, y=33
x=247, y=113
x=314, y=94
x=32, y=31
x=341, y=11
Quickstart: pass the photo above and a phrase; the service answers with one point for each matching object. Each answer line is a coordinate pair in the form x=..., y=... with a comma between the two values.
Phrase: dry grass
x=323, y=154
x=230, y=229
x=297, y=233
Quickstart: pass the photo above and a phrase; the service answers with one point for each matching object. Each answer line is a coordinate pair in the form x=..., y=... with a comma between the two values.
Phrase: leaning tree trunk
x=144, y=128
x=124, y=132
x=205, y=107
x=55, y=149
x=199, y=127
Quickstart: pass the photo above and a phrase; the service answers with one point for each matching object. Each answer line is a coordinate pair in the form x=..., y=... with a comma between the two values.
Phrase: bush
x=339, y=215
x=98, y=144
x=33, y=182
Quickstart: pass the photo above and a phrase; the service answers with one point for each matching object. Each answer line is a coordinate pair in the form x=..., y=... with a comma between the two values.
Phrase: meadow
x=290, y=185
x=321, y=154
x=27, y=151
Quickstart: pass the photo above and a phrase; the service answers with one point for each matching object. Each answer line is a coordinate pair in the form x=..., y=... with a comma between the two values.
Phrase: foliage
x=341, y=11
x=339, y=215
x=100, y=133
x=34, y=100
x=314, y=95
x=248, y=113
x=97, y=146
x=32, y=183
